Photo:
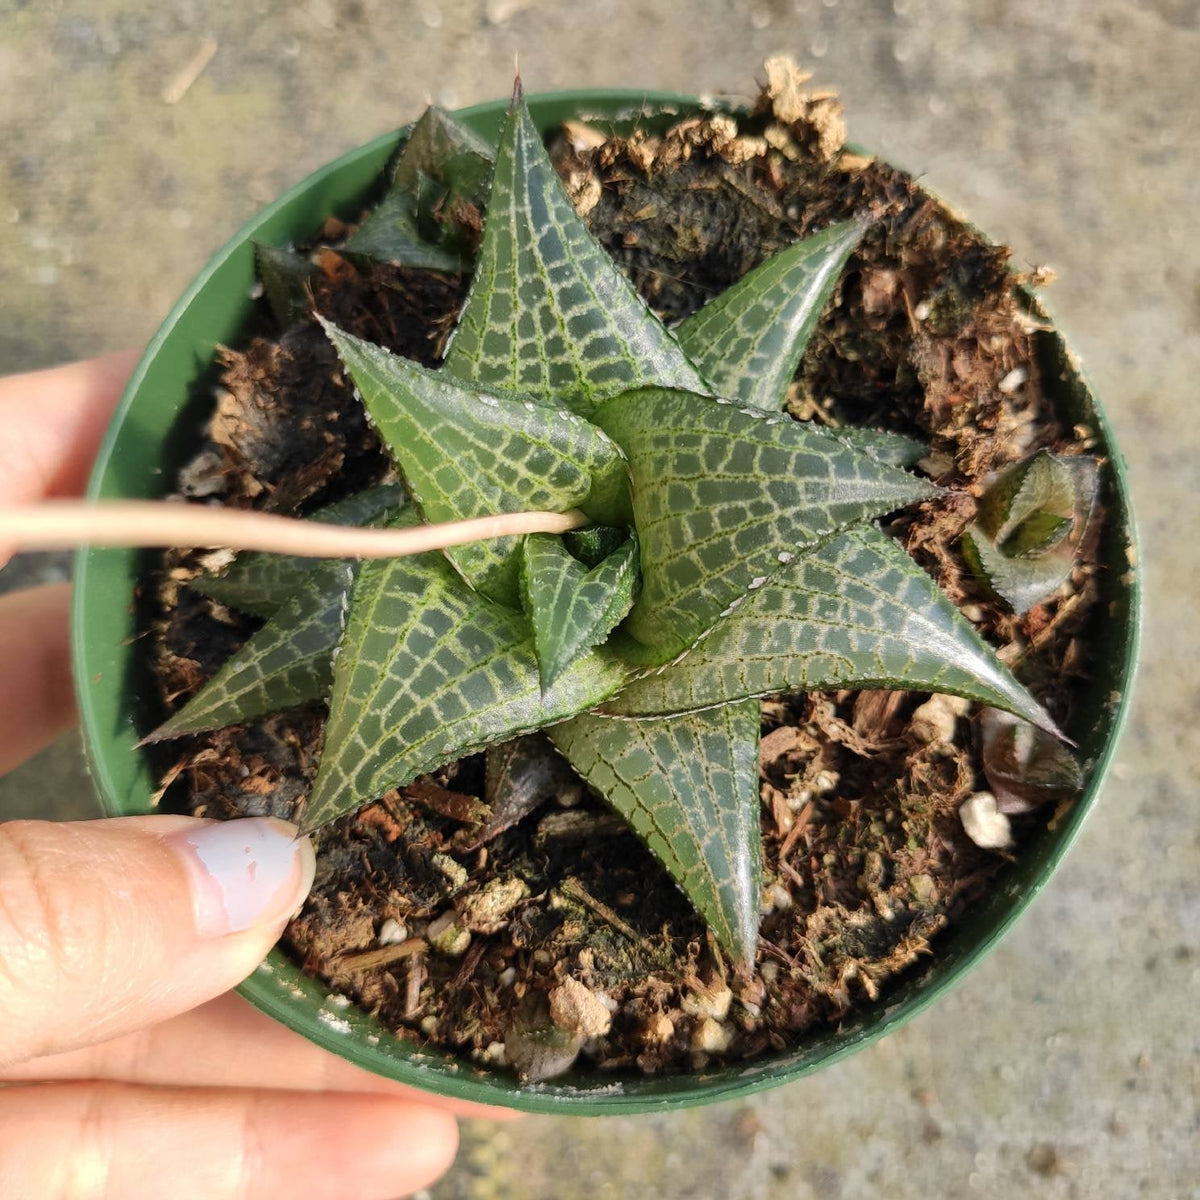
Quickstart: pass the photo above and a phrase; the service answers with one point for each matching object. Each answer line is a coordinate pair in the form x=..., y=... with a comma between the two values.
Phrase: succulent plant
x=732, y=551
x=1032, y=517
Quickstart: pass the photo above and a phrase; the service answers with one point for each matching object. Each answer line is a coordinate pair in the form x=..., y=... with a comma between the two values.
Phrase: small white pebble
x=985, y=825
x=921, y=311
x=933, y=722
x=711, y=1037
x=607, y=1001
x=708, y=1002
x=507, y=977
x=798, y=798
x=1013, y=380
x=447, y=936
x=576, y=1009
x=216, y=560
x=660, y=1028
x=392, y=932
x=454, y=872
x=824, y=782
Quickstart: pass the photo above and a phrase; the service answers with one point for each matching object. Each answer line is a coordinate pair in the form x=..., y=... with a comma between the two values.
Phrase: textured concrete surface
x=1069, y=1065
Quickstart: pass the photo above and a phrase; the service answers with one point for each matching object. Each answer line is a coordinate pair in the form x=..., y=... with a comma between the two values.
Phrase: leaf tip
x=173, y=727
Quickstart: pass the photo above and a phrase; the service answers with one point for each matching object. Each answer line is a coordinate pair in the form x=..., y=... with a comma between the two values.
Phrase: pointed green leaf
x=855, y=612
x=571, y=608
x=1042, y=484
x=390, y=234
x=1042, y=509
x=689, y=788
x=1021, y=582
x=749, y=340
x=442, y=165
x=438, y=147
x=428, y=671
x=259, y=583
x=549, y=314
x=287, y=662
x=1031, y=521
x=466, y=453
x=895, y=449
x=1038, y=533
x=285, y=277
x=722, y=496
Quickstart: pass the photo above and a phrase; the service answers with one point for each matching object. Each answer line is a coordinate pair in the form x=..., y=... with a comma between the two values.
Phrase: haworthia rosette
x=760, y=568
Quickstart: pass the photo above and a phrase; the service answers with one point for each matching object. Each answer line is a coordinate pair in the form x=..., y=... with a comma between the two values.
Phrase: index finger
x=52, y=421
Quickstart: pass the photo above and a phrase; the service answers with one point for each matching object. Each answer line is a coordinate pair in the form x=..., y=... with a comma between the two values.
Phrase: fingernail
x=251, y=871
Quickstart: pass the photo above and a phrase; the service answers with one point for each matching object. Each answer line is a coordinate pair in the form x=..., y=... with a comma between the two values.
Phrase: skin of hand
x=126, y=1070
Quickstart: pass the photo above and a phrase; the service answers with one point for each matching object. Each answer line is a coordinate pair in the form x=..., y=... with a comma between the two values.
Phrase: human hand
x=116, y=935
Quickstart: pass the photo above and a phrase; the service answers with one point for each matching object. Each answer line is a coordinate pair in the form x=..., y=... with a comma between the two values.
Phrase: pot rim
x=279, y=989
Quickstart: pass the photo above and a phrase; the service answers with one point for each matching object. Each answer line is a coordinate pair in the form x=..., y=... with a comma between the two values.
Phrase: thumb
x=106, y=926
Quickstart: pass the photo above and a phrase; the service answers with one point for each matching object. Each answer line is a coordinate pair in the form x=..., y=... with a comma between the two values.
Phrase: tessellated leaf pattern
x=850, y=613
x=723, y=496
x=258, y=583
x=571, y=608
x=549, y=314
x=287, y=662
x=429, y=670
x=465, y=452
x=689, y=788
x=749, y=340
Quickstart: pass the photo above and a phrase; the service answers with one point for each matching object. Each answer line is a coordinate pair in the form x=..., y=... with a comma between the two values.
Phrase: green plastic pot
x=153, y=433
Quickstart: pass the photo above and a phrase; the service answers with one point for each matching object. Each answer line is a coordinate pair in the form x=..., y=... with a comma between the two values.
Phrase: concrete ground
x=1069, y=1064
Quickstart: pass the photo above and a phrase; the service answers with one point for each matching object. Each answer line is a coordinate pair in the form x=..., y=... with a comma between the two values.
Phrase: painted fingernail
x=252, y=871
